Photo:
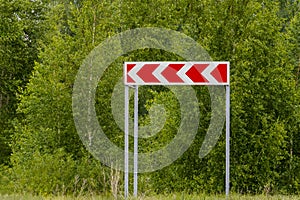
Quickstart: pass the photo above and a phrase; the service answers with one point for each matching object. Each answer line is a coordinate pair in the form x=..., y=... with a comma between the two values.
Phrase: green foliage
x=48, y=156
x=46, y=137
x=21, y=27
x=58, y=174
x=248, y=35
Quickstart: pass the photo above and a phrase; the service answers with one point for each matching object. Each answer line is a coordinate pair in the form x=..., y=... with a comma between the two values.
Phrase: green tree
x=46, y=134
x=249, y=35
x=292, y=163
x=21, y=27
x=265, y=105
x=261, y=75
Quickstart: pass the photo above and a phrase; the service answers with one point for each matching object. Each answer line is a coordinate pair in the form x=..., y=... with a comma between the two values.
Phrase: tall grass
x=156, y=197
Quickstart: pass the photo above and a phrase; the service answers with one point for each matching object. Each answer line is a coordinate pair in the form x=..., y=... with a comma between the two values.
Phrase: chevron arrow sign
x=176, y=73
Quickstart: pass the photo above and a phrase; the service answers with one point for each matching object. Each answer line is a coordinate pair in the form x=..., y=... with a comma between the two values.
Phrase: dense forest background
x=43, y=43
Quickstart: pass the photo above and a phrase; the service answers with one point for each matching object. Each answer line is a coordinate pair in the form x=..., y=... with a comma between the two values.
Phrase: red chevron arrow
x=194, y=73
x=129, y=67
x=220, y=73
x=146, y=73
x=170, y=73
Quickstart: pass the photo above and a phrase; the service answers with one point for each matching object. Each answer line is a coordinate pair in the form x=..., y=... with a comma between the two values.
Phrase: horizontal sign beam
x=176, y=73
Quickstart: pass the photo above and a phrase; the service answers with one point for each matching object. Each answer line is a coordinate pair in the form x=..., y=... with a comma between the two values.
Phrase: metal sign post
x=135, y=130
x=171, y=73
x=227, y=173
x=135, y=147
x=126, y=156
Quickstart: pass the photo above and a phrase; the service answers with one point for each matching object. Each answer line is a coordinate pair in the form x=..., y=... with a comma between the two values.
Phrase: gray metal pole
x=227, y=176
x=136, y=126
x=126, y=150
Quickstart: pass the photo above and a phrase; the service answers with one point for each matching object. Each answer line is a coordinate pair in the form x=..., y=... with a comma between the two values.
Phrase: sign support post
x=227, y=173
x=126, y=139
x=135, y=151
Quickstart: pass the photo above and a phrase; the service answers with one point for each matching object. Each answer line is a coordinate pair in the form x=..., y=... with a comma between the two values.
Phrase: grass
x=157, y=197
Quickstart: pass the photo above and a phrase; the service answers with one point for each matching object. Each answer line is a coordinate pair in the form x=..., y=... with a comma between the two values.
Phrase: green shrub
x=58, y=174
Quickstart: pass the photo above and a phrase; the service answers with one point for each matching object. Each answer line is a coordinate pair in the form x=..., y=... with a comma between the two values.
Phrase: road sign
x=176, y=73
x=171, y=73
